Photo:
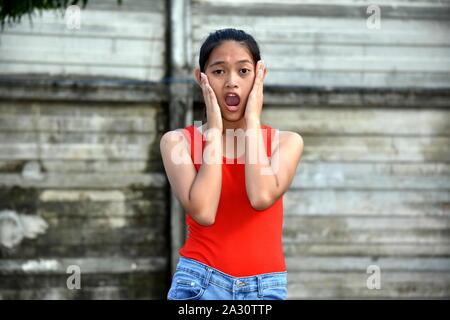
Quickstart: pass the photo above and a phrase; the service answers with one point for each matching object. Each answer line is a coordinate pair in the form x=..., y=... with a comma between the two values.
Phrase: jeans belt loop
x=260, y=286
x=207, y=278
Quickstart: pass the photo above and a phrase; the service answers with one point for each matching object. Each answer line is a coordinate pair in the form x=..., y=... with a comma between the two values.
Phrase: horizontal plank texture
x=329, y=43
x=124, y=41
x=93, y=173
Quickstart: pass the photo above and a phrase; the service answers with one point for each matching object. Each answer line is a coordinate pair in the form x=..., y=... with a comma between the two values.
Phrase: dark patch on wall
x=21, y=200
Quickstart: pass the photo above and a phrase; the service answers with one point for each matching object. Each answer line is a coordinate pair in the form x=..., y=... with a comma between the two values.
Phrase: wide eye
x=245, y=70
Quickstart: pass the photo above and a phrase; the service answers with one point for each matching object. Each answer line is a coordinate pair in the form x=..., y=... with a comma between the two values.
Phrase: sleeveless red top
x=242, y=241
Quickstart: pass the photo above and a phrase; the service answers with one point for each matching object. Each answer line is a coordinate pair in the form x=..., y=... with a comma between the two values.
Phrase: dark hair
x=218, y=37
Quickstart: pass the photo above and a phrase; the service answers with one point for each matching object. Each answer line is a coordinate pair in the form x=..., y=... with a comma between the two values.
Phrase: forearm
x=259, y=175
x=205, y=191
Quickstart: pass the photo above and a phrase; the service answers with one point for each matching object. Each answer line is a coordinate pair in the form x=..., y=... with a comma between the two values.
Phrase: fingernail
x=202, y=76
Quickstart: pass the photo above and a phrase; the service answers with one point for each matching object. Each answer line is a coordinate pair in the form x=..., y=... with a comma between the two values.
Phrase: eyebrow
x=223, y=62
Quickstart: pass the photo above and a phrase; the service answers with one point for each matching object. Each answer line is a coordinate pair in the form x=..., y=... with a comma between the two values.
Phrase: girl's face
x=231, y=70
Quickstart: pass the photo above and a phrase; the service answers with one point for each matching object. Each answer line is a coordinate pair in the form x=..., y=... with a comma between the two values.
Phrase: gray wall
x=112, y=41
x=83, y=154
x=329, y=44
x=82, y=112
x=91, y=171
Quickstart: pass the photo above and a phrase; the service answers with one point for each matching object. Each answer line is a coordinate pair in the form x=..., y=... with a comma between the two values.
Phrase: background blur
x=82, y=111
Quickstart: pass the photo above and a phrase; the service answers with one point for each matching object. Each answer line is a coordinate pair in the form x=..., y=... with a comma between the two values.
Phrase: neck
x=239, y=124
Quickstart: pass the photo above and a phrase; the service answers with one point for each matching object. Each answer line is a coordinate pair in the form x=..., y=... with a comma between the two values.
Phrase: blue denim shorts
x=194, y=280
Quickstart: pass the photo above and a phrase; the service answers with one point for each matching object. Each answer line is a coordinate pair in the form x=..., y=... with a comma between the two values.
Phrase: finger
x=205, y=91
x=264, y=71
x=210, y=89
x=260, y=74
x=261, y=81
x=205, y=83
x=259, y=64
x=258, y=80
x=202, y=81
x=255, y=80
x=212, y=96
x=209, y=95
x=261, y=70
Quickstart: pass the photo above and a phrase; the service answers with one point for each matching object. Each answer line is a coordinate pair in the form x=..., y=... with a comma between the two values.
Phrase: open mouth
x=232, y=101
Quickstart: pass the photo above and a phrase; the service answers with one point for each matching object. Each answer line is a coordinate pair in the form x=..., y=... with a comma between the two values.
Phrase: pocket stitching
x=190, y=298
x=276, y=287
x=186, y=283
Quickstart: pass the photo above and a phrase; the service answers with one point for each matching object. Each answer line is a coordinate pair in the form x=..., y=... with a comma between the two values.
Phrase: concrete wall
x=82, y=112
x=91, y=172
x=80, y=156
x=125, y=41
x=328, y=43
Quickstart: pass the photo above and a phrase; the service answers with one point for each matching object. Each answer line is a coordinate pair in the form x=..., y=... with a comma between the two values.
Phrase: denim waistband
x=249, y=283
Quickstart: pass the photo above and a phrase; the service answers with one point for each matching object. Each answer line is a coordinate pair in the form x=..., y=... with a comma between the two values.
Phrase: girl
x=234, y=210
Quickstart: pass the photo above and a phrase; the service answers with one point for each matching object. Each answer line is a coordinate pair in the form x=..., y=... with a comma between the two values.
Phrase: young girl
x=234, y=210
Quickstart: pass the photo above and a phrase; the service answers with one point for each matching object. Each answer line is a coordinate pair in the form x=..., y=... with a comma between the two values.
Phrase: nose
x=231, y=81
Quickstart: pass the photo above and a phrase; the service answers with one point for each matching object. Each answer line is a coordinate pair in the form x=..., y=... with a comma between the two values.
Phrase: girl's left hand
x=255, y=99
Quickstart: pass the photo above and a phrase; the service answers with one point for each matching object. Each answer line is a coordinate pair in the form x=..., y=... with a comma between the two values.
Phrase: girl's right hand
x=213, y=115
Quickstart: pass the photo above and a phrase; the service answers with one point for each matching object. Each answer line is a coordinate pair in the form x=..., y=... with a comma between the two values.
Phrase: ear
x=265, y=72
x=197, y=76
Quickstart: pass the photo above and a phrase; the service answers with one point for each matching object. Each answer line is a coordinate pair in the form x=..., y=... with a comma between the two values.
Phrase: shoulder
x=176, y=133
x=173, y=137
x=292, y=139
x=290, y=146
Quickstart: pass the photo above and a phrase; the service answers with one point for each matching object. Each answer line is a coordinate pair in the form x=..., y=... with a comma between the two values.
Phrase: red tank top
x=242, y=241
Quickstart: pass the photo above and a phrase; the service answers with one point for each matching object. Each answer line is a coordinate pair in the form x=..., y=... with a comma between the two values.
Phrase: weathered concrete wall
x=82, y=183
x=81, y=154
x=328, y=43
x=126, y=41
x=91, y=172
